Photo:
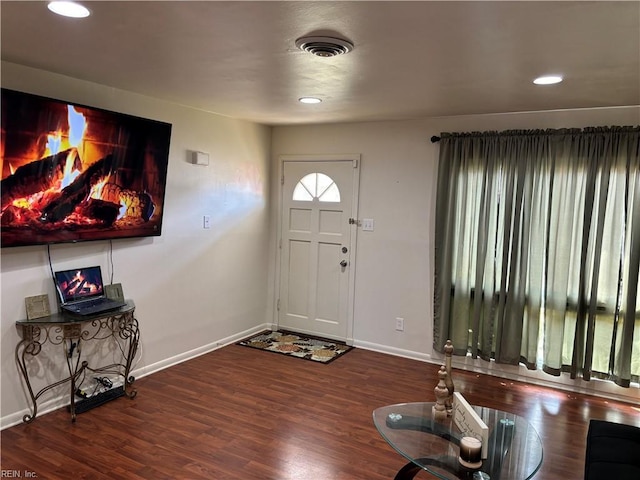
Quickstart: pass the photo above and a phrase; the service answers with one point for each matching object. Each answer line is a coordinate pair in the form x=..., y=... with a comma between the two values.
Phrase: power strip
x=98, y=399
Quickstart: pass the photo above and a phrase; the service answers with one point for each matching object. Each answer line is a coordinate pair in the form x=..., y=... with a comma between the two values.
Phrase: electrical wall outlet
x=400, y=324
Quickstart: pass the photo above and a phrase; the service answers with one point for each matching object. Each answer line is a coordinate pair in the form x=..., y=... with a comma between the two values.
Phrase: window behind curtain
x=534, y=238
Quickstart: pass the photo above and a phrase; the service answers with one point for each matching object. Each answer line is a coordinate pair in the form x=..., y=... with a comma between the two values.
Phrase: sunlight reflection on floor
x=300, y=463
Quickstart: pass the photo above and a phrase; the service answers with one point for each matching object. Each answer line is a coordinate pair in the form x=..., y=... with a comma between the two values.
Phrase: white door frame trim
x=355, y=159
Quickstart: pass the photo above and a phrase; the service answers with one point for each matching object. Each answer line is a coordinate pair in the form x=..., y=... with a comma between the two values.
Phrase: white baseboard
x=196, y=352
x=43, y=408
x=63, y=400
x=595, y=387
x=398, y=352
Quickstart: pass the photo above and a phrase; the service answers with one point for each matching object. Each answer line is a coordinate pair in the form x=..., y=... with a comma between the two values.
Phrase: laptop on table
x=81, y=291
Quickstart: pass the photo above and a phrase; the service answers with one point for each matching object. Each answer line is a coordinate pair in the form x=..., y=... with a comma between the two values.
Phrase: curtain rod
x=548, y=131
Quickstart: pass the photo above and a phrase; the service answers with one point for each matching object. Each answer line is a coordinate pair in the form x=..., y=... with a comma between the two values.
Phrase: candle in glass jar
x=470, y=452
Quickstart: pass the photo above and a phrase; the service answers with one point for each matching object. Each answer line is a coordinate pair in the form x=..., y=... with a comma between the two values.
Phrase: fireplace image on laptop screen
x=81, y=283
x=81, y=291
x=73, y=173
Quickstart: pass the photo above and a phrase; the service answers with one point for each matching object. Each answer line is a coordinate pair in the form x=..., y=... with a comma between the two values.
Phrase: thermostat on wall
x=200, y=158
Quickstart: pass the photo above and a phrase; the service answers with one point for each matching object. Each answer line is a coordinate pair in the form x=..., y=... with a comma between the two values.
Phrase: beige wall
x=193, y=288
x=394, y=263
x=225, y=277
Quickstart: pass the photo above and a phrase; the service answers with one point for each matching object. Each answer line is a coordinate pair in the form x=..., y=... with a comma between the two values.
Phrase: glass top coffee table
x=514, y=448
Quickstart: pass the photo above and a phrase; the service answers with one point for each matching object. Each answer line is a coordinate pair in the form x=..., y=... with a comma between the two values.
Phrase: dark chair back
x=613, y=451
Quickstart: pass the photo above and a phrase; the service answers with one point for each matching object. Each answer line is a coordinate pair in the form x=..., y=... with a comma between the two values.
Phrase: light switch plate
x=367, y=224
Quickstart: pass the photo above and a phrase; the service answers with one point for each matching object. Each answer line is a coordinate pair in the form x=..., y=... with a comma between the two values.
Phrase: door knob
x=343, y=263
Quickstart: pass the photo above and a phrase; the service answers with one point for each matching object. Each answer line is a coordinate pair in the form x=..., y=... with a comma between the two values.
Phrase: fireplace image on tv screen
x=73, y=173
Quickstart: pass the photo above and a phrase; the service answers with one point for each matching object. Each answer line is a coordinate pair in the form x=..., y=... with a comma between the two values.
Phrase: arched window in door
x=316, y=185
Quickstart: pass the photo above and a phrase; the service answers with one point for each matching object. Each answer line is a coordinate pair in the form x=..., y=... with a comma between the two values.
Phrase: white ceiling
x=411, y=59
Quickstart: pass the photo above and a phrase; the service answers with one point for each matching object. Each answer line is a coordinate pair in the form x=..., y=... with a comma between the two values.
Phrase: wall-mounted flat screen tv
x=72, y=173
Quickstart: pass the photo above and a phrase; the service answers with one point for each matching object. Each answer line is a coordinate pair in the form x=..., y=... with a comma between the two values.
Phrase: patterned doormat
x=297, y=345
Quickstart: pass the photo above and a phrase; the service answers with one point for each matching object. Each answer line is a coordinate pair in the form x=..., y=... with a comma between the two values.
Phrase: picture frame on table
x=37, y=306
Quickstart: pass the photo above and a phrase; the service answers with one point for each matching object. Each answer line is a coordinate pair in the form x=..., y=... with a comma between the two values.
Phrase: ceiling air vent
x=324, y=46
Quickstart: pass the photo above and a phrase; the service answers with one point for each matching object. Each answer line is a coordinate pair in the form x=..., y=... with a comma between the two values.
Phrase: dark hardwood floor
x=240, y=413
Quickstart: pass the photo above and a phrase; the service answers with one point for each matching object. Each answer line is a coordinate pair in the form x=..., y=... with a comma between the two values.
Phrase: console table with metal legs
x=71, y=332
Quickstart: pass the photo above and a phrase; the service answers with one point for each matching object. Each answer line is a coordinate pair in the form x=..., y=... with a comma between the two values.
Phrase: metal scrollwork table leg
x=121, y=326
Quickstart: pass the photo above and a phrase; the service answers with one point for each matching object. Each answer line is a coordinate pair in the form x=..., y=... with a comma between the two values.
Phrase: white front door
x=317, y=240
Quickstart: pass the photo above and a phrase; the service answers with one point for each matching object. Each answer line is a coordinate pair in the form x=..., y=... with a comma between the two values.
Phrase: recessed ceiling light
x=68, y=9
x=548, y=80
x=309, y=100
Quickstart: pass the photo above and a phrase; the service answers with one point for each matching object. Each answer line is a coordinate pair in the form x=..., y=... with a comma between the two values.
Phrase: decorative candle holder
x=439, y=409
x=470, y=453
x=448, y=351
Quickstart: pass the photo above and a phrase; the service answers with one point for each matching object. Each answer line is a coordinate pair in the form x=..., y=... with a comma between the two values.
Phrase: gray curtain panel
x=537, y=249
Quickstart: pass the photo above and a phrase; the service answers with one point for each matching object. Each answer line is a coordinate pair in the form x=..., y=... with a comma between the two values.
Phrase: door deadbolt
x=345, y=249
